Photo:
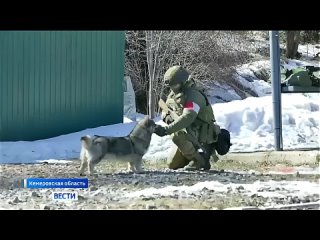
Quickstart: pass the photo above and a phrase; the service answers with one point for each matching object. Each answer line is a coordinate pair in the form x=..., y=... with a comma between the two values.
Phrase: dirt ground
x=227, y=184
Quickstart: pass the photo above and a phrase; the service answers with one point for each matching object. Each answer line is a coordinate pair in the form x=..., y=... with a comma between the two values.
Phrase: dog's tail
x=86, y=141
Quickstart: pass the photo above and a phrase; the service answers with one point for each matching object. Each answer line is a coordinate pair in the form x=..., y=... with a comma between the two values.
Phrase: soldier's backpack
x=223, y=143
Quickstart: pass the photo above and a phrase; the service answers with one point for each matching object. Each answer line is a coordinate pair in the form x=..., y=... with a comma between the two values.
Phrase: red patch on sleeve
x=188, y=105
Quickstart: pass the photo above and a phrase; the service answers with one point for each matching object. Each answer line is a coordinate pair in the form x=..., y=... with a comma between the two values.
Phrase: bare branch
x=208, y=55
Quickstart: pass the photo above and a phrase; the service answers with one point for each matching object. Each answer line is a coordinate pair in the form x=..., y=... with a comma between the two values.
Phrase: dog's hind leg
x=138, y=165
x=90, y=168
x=91, y=164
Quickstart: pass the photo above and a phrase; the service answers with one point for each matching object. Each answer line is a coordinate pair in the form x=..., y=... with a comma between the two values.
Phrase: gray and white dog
x=128, y=149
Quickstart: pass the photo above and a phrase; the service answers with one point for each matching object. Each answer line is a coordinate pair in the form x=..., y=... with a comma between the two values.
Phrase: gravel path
x=114, y=188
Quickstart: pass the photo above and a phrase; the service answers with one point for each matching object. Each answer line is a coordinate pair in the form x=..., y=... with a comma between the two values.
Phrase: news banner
x=59, y=183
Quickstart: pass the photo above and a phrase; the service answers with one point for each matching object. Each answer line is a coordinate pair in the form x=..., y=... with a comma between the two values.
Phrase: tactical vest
x=204, y=127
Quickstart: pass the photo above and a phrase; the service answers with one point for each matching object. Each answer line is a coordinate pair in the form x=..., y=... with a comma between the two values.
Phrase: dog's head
x=148, y=124
x=86, y=141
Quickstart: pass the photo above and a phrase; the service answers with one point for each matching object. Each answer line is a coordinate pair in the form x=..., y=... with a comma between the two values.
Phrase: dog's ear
x=144, y=121
x=85, y=138
x=85, y=141
x=148, y=121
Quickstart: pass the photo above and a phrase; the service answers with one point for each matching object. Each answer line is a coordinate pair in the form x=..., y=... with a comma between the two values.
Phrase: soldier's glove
x=168, y=119
x=160, y=131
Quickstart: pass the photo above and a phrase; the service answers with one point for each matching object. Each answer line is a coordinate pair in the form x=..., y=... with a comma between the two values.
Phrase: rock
x=314, y=198
x=93, y=188
x=35, y=194
x=150, y=207
x=148, y=198
x=176, y=196
x=135, y=182
x=81, y=197
x=45, y=207
x=48, y=192
x=296, y=200
x=224, y=180
x=16, y=200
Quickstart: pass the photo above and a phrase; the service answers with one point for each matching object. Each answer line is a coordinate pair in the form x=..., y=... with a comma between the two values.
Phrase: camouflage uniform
x=195, y=127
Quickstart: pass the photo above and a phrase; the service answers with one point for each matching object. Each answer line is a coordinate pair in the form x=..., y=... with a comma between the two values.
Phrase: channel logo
x=65, y=196
x=56, y=183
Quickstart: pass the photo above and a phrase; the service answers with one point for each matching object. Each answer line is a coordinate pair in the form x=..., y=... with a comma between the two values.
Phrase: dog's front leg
x=82, y=168
x=131, y=167
x=84, y=161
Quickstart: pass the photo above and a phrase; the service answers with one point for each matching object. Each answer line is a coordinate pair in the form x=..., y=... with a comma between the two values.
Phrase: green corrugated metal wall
x=58, y=82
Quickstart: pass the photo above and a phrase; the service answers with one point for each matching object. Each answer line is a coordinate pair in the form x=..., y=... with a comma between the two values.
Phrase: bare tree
x=153, y=42
x=292, y=43
x=208, y=56
x=157, y=49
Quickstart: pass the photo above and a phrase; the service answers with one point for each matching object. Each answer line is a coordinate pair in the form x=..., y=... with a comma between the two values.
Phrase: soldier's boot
x=209, y=148
x=206, y=157
x=191, y=166
x=215, y=158
x=207, y=164
x=177, y=160
x=197, y=163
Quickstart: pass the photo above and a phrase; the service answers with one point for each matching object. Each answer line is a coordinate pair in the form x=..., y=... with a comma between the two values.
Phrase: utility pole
x=276, y=88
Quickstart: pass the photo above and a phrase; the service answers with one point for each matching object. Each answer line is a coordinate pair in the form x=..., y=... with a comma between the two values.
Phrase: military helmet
x=175, y=75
